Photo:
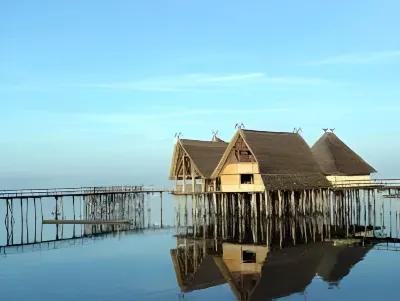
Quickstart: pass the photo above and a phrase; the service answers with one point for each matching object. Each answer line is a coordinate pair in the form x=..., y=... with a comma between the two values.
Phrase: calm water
x=140, y=266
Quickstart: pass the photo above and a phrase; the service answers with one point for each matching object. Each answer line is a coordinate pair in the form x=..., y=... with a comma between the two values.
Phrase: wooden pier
x=87, y=222
x=90, y=210
x=79, y=192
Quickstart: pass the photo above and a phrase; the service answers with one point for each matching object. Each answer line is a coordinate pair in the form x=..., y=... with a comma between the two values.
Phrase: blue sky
x=92, y=92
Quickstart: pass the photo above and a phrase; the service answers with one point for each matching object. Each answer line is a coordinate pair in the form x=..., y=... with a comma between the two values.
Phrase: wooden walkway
x=86, y=222
x=81, y=191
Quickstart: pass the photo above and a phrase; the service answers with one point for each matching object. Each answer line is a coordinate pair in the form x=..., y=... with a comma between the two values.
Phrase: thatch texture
x=336, y=158
x=294, y=181
x=285, y=160
x=205, y=155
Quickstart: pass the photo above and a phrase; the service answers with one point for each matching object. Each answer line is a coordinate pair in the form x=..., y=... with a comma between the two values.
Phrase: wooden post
x=369, y=208
x=161, y=199
x=374, y=191
x=280, y=204
x=22, y=224
x=8, y=222
x=254, y=223
x=215, y=215
x=186, y=215
x=194, y=214
x=34, y=205
x=184, y=174
x=235, y=212
x=241, y=211
x=41, y=210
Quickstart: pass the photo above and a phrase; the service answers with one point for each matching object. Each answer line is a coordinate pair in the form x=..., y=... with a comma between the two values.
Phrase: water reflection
x=256, y=272
x=266, y=258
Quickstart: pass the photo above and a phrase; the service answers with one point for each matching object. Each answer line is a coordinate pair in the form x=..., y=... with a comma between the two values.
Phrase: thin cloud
x=135, y=118
x=206, y=83
x=358, y=58
x=230, y=78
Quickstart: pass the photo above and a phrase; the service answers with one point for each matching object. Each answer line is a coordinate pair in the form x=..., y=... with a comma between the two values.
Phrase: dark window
x=248, y=256
x=246, y=179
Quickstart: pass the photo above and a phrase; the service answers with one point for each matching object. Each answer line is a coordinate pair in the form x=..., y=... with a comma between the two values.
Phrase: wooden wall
x=230, y=177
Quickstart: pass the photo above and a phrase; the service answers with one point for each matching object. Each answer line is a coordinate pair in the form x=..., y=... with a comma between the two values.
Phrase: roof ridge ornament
x=178, y=136
x=214, y=137
x=297, y=130
x=239, y=126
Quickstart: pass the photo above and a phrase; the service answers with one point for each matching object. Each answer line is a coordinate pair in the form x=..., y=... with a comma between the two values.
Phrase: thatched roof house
x=336, y=158
x=196, y=159
x=203, y=155
x=340, y=163
x=272, y=160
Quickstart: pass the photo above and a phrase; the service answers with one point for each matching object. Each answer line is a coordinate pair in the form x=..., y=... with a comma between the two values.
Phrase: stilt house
x=339, y=163
x=193, y=162
x=255, y=161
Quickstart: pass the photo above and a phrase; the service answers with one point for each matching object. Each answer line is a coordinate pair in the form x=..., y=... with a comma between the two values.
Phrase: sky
x=93, y=92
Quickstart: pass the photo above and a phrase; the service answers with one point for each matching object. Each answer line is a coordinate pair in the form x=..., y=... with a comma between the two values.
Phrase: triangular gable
x=237, y=147
x=177, y=164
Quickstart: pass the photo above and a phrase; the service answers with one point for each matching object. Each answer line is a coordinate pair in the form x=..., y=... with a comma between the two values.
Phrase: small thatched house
x=255, y=161
x=340, y=163
x=195, y=160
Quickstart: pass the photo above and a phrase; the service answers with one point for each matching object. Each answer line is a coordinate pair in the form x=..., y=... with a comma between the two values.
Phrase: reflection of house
x=195, y=268
x=241, y=266
x=258, y=160
x=283, y=273
x=287, y=271
x=339, y=260
x=339, y=163
x=195, y=159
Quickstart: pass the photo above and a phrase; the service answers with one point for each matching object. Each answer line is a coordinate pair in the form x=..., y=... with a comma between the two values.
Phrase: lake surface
x=140, y=266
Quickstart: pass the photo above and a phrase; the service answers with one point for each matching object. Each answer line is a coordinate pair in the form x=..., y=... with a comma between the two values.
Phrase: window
x=248, y=257
x=244, y=156
x=246, y=179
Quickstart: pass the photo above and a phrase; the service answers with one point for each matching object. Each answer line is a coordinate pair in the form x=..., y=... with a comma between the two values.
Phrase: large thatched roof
x=285, y=160
x=336, y=158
